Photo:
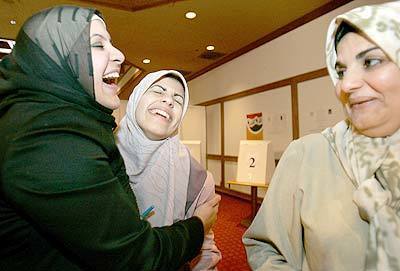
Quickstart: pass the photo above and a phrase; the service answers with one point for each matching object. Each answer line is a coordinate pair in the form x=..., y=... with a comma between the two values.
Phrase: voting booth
x=256, y=162
x=256, y=165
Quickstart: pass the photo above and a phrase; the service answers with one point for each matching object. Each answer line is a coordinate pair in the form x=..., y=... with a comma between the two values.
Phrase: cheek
x=178, y=114
x=99, y=66
x=386, y=82
x=139, y=115
x=177, y=121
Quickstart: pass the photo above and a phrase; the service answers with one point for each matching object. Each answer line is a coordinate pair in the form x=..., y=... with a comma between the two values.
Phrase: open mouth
x=111, y=78
x=161, y=113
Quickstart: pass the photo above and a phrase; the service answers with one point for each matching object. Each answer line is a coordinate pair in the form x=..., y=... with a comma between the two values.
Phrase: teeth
x=111, y=78
x=111, y=75
x=161, y=112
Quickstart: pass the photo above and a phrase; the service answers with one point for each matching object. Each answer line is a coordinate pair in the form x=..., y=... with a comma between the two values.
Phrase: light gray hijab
x=158, y=170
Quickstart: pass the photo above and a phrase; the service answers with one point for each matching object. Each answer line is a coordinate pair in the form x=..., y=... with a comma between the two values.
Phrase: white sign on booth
x=256, y=162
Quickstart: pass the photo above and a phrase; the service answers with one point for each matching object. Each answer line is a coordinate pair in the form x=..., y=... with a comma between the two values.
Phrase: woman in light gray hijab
x=161, y=171
x=334, y=201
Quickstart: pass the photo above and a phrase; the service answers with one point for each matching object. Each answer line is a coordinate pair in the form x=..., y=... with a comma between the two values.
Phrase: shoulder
x=65, y=122
x=302, y=156
x=308, y=145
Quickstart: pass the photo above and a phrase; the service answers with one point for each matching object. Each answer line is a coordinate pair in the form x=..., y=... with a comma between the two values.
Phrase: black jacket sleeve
x=63, y=182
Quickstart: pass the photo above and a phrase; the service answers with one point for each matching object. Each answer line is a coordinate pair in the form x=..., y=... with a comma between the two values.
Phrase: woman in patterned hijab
x=363, y=49
x=347, y=203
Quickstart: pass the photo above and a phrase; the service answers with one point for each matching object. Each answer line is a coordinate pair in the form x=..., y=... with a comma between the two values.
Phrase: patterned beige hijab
x=373, y=164
x=158, y=170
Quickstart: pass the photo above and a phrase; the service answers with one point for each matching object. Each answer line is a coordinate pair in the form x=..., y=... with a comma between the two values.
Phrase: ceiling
x=158, y=29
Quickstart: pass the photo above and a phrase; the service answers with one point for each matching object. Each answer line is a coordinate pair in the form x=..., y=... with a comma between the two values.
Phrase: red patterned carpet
x=228, y=233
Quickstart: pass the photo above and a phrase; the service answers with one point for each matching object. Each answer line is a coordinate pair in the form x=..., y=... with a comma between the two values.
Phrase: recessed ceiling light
x=190, y=15
x=146, y=61
x=13, y=22
x=210, y=47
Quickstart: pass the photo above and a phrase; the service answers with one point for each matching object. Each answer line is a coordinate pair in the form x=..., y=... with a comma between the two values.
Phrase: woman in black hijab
x=65, y=201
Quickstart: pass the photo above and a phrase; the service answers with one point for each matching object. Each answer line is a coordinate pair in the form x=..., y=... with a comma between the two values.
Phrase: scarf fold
x=158, y=170
x=373, y=165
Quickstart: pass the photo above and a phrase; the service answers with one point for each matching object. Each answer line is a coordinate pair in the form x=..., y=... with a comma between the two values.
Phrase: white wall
x=318, y=106
x=273, y=104
x=299, y=51
x=194, y=127
x=213, y=115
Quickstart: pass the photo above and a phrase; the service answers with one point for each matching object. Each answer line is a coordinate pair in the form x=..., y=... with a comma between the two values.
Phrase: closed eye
x=179, y=99
x=97, y=45
x=157, y=89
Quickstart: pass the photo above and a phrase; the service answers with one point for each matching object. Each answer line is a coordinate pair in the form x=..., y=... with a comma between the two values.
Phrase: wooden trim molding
x=214, y=157
x=295, y=111
x=248, y=92
x=331, y=5
x=127, y=90
x=221, y=157
x=230, y=158
x=270, y=86
x=222, y=110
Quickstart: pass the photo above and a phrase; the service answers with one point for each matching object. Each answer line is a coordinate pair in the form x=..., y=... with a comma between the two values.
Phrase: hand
x=208, y=213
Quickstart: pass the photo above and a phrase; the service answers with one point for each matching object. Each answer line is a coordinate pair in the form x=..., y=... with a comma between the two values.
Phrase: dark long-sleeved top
x=66, y=200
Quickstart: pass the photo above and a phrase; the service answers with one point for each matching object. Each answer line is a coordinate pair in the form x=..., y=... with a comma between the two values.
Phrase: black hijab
x=52, y=62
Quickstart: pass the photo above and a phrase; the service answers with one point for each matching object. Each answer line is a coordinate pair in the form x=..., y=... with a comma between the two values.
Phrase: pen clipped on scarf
x=147, y=212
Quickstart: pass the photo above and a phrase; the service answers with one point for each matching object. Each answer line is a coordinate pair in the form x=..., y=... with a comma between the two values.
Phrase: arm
x=274, y=239
x=209, y=255
x=62, y=181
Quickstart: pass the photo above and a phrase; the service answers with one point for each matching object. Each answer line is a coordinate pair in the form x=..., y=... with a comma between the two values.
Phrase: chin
x=376, y=130
x=113, y=105
x=154, y=135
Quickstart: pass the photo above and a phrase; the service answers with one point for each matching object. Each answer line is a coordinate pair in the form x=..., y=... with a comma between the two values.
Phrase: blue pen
x=147, y=212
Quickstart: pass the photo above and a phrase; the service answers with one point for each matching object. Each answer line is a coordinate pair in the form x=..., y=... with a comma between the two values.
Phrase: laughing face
x=159, y=110
x=368, y=86
x=107, y=62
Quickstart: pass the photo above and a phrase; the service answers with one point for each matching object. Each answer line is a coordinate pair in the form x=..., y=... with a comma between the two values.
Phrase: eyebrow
x=164, y=89
x=363, y=53
x=99, y=35
x=358, y=56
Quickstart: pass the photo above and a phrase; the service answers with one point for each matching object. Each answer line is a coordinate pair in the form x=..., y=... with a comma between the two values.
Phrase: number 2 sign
x=252, y=162
x=255, y=157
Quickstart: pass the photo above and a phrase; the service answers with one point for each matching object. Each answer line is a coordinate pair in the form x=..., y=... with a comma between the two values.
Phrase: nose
x=352, y=81
x=117, y=55
x=168, y=100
